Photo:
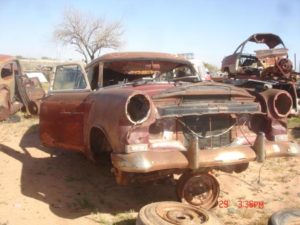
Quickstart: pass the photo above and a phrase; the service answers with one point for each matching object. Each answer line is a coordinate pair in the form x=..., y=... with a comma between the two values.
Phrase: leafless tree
x=88, y=34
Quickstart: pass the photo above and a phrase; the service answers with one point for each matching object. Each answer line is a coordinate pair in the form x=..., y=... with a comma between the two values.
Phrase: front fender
x=108, y=114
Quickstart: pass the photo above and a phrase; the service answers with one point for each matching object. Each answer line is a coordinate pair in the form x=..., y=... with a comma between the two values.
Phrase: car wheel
x=198, y=189
x=285, y=217
x=168, y=213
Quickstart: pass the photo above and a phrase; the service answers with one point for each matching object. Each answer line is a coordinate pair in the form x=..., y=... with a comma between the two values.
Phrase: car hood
x=204, y=98
x=271, y=40
x=204, y=89
x=187, y=99
x=163, y=90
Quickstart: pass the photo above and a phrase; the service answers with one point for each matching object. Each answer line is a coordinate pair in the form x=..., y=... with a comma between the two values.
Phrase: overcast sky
x=210, y=29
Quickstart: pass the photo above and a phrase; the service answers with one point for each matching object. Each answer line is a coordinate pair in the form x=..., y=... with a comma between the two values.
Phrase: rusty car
x=270, y=60
x=261, y=62
x=156, y=119
x=17, y=91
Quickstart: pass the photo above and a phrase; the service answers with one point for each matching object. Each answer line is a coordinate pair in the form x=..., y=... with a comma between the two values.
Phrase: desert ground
x=51, y=186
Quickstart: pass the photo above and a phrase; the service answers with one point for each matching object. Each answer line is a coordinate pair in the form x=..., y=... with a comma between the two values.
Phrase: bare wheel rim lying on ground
x=168, y=213
x=198, y=189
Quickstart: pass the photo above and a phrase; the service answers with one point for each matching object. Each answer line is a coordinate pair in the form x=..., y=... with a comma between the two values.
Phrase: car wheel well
x=98, y=142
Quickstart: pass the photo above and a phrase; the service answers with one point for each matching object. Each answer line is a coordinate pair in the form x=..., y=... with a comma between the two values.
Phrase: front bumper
x=155, y=159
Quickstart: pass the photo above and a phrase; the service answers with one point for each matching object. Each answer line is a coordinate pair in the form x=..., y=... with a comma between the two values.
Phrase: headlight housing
x=137, y=108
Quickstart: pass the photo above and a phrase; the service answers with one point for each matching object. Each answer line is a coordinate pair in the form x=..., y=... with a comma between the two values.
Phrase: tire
x=285, y=217
x=169, y=213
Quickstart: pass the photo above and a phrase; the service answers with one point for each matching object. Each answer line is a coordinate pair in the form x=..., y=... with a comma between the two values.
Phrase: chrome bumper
x=154, y=160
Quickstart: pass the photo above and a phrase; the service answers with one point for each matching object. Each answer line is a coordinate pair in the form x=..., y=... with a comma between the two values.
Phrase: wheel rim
x=200, y=190
x=181, y=214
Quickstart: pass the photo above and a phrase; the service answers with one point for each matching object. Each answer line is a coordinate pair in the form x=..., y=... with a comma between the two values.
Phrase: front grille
x=212, y=130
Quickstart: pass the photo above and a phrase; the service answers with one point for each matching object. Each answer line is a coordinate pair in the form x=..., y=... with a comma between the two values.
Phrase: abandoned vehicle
x=270, y=61
x=156, y=119
x=17, y=91
x=261, y=62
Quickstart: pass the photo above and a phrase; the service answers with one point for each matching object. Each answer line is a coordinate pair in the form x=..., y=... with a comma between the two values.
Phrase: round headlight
x=282, y=104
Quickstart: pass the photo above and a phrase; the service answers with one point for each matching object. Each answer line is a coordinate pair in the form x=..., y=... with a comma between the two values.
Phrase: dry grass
x=262, y=220
x=123, y=218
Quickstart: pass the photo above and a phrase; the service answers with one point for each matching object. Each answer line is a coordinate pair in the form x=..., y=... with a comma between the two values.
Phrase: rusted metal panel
x=148, y=125
x=271, y=40
x=4, y=102
x=264, y=69
x=206, y=89
x=139, y=56
x=5, y=58
x=144, y=162
x=62, y=121
x=266, y=64
x=22, y=91
x=31, y=93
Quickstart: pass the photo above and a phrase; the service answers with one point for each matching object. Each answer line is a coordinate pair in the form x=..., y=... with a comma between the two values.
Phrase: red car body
x=155, y=118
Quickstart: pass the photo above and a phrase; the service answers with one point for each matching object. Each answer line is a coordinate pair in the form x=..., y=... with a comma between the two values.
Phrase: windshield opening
x=129, y=71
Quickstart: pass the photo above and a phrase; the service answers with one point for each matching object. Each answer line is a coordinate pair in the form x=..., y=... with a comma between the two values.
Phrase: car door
x=63, y=111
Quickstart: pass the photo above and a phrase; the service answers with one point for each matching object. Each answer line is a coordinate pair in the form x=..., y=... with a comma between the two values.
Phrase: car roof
x=139, y=56
x=4, y=58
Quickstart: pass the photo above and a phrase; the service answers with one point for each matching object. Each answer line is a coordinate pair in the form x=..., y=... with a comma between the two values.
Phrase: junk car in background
x=261, y=62
x=17, y=91
x=269, y=61
x=156, y=119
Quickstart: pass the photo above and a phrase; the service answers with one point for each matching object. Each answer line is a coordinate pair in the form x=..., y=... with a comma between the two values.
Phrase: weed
x=294, y=122
x=219, y=214
x=286, y=193
x=262, y=220
x=124, y=218
x=125, y=222
x=104, y=221
x=246, y=213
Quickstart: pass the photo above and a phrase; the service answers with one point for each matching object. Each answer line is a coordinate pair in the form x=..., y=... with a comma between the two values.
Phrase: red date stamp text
x=241, y=203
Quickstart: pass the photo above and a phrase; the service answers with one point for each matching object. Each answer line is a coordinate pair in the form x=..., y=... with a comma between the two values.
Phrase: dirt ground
x=47, y=186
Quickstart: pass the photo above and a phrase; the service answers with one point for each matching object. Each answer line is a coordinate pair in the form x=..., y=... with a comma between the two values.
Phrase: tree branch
x=87, y=34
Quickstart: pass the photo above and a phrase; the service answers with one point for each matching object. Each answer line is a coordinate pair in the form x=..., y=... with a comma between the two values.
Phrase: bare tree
x=88, y=34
